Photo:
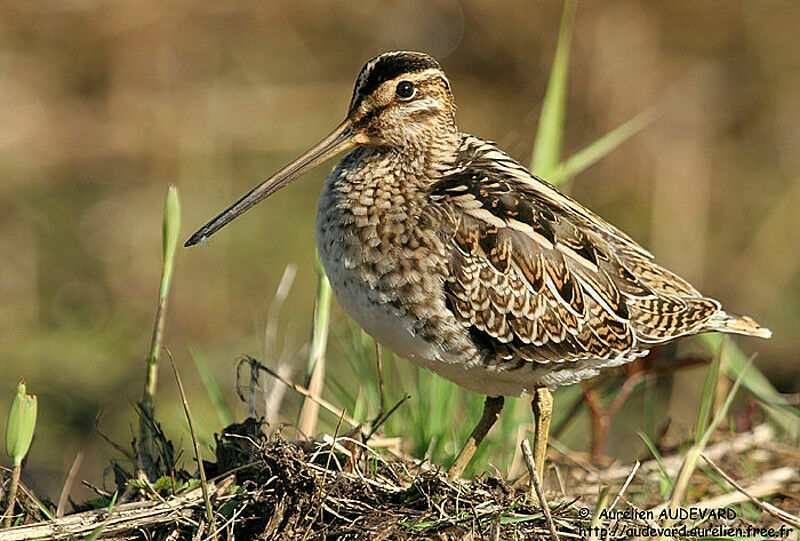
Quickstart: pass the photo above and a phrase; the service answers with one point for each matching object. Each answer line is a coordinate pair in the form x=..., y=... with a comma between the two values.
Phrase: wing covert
x=543, y=279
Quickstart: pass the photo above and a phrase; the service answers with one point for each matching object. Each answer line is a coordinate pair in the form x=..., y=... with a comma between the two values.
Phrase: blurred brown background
x=106, y=103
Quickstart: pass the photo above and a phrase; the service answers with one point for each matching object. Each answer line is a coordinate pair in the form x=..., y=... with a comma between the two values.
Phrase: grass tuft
x=169, y=242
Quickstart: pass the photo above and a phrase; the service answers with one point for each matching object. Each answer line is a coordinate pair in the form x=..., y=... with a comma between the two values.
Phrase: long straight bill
x=339, y=140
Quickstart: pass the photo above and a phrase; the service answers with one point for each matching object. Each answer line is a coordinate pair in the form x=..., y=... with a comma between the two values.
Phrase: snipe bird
x=453, y=255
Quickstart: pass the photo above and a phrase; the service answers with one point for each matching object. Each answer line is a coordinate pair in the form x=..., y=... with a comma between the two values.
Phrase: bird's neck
x=419, y=161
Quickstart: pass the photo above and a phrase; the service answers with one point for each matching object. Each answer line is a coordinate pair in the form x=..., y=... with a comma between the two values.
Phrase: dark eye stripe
x=423, y=114
x=367, y=118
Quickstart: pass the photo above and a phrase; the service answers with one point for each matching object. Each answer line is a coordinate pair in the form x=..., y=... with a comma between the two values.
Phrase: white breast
x=380, y=321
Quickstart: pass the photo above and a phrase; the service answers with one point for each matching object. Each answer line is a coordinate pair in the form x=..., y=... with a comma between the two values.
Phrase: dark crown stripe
x=385, y=68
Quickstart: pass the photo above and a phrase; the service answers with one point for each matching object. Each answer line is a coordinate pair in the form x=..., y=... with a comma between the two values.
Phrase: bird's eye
x=405, y=90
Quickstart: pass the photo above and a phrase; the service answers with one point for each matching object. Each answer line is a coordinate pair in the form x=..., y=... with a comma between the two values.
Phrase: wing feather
x=542, y=279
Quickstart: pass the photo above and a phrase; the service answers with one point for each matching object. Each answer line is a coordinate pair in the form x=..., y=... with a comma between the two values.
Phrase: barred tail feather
x=732, y=323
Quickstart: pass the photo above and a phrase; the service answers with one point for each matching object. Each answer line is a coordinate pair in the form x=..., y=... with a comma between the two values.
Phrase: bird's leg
x=599, y=416
x=543, y=411
x=491, y=412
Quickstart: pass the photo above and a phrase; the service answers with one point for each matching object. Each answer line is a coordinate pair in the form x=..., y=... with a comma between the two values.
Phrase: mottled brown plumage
x=455, y=256
x=543, y=279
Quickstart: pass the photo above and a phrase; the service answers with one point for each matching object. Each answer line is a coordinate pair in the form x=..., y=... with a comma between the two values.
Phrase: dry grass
x=267, y=487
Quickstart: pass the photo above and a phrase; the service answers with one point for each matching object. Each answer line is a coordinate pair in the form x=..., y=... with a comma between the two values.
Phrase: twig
x=284, y=286
x=569, y=454
x=12, y=495
x=780, y=514
x=738, y=444
x=117, y=447
x=382, y=419
x=196, y=443
x=526, y=452
x=560, y=479
x=625, y=485
x=96, y=489
x=125, y=519
x=32, y=497
x=229, y=522
x=273, y=392
x=768, y=483
x=251, y=403
x=322, y=492
x=305, y=392
x=181, y=516
x=65, y=490
x=381, y=388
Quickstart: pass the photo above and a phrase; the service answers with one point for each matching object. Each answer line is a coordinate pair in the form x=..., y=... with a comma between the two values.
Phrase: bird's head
x=401, y=101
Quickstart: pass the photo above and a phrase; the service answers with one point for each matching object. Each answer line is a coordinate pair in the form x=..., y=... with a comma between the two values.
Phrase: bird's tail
x=732, y=323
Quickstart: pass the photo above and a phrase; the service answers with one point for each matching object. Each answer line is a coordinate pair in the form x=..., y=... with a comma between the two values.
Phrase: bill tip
x=195, y=239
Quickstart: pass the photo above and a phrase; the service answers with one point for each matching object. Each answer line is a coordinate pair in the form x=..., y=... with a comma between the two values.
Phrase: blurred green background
x=106, y=103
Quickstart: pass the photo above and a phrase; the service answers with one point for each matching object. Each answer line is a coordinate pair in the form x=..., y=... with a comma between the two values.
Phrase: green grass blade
x=322, y=316
x=169, y=237
x=169, y=242
x=651, y=446
x=783, y=414
x=602, y=147
x=707, y=398
x=315, y=365
x=693, y=455
x=95, y=534
x=667, y=482
x=600, y=506
x=550, y=131
x=212, y=387
x=723, y=410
